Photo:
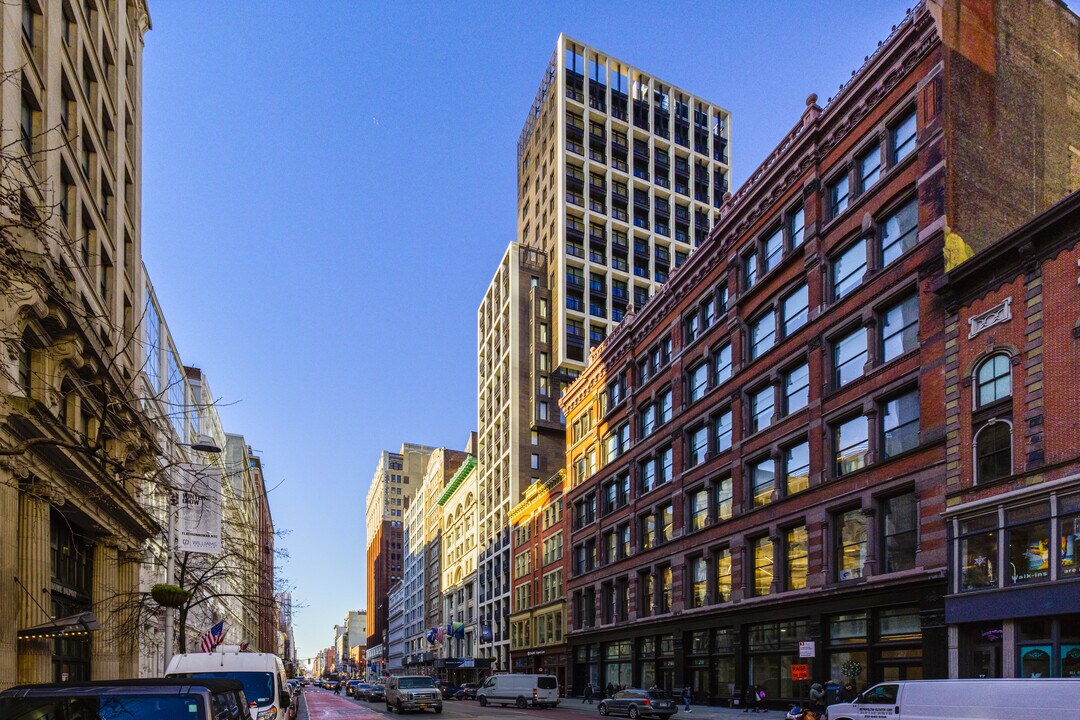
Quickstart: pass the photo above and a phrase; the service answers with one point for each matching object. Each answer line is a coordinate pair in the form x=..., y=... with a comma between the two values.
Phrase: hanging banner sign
x=199, y=514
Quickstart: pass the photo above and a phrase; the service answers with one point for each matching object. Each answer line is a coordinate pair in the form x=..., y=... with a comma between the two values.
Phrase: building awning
x=72, y=625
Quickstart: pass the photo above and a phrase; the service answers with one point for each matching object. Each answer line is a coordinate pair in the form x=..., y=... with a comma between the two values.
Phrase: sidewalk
x=704, y=712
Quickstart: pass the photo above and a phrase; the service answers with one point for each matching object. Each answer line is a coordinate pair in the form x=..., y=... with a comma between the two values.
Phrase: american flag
x=213, y=637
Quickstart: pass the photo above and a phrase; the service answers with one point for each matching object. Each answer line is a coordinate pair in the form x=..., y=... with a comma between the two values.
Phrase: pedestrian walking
x=610, y=690
x=848, y=694
x=588, y=693
x=817, y=697
x=687, y=695
x=750, y=698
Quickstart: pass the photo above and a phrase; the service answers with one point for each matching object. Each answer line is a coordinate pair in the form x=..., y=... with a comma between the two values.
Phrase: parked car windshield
x=258, y=686
x=105, y=707
x=416, y=682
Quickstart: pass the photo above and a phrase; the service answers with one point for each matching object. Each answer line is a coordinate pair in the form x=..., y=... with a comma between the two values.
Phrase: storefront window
x=848, y=629
x=699, y=643
x=851, y=545
x=978, y=552
x=1028, y=537
x=1069, y=512
x=774, y=648
x=843, y=662
x=1035, y=661
x=899, y=625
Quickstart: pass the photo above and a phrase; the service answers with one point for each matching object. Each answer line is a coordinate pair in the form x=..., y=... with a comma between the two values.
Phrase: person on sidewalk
x=610, y=690
x=687, y=695
x=750, y=698
x=588, y=693
x=817, y=698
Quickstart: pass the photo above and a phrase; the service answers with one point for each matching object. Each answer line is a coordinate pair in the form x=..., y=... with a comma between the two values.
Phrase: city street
x=319, y=704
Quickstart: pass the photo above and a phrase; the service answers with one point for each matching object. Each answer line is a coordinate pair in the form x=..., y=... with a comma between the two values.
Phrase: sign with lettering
x=800, y=672
x=199, y=514
x=806, y=649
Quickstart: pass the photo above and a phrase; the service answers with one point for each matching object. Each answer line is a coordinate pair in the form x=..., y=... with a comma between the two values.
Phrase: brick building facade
x=1013, y=462
x=757, y=458
x=538, y=611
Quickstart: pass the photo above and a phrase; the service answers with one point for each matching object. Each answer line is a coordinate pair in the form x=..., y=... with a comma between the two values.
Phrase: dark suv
x=158, y=698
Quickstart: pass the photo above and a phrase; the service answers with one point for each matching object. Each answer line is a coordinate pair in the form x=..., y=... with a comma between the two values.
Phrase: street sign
x=800, y=672
x=806, y=649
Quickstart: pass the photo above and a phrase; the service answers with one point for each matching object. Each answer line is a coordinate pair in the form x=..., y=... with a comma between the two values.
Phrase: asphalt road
x=324, y=705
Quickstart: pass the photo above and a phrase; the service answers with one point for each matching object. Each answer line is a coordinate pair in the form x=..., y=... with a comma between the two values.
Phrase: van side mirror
x=284, y=701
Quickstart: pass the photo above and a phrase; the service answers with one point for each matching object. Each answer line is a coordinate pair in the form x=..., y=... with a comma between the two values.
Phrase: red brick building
x=538, y=610
x=1013, y=471
x=757, y=458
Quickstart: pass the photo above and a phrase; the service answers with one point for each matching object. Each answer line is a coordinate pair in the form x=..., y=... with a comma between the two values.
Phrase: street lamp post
x=205, y=444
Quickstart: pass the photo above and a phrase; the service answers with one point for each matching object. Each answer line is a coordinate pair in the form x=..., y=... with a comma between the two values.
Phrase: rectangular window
x=698, y=445
x=664, y=414
x=869, y=167
x=1069, y=533
x=647, y=473
x=979, y=552
x=665, y=523
x=899, y=232
x=762, y=551
x=699, y=381
x=665, y=589
x=762, y=481
x=838, y=196
x=796, y=388
x=900, y=328
x=903, y=137
x=725, y=499
x=850, y=545
x=699, y=581
x=1027, y=538
x=762, y=335
x=693, y=327
x=648, y=593
x=796, y=226
x=722, y=426
x=722, y=365
x=796, y=309
x=797, y=468
x=750, y=270
x=852, y=444
x=723, y=575
x=774, y=248
x=797, y=557
x=664, y=466
x=699, y=509
x=849, y=357
x=900, y=531
x=900, y=424
x=648, y=420
x=648, y=532
x=762, y=405
x=848, y=269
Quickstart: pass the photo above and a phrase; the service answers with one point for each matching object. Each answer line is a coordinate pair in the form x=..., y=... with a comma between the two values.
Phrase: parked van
x=262, y=674
x=1015, y=699
x=520, y=689
x=157, y=698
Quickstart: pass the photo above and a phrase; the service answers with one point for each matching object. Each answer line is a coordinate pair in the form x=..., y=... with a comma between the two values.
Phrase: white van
x=262, y=674
x=1015, y=699
x=520, y=689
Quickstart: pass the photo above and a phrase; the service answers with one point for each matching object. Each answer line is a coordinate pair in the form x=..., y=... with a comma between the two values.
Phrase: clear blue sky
x=328, y=187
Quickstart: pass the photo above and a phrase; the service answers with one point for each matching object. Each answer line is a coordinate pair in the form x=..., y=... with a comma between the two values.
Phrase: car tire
x=389, y=707
x=483, y=700
x=400, y=710
x=438, y=709
x=633, y=713
x=603, y=708
x=521, y=703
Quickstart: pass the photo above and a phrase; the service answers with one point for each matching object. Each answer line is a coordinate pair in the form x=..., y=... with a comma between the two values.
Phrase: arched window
x=993, y=380
x=993, y=451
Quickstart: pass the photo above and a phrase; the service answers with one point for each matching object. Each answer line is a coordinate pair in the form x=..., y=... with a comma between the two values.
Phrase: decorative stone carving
x=1002, y=312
